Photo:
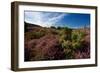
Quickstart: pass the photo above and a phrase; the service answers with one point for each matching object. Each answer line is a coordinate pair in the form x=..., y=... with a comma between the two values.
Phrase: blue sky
x=47, y=19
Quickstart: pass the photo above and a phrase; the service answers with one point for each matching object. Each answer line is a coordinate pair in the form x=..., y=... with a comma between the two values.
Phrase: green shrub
x=65, y=34
x=69, y=53
x=77, y=36
x=59, y=28
x=76, y=45
x=66, y=45
x=74, y=37
x=53, y=27
x=34, y=35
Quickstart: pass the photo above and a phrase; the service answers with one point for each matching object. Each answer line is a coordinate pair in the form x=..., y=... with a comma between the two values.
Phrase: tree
x=53, y=27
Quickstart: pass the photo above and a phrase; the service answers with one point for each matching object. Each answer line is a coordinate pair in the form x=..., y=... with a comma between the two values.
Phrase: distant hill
x=31, y=25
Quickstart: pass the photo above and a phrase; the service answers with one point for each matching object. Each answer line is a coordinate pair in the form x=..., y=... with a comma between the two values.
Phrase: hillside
x=29, y=26
x=43, y=43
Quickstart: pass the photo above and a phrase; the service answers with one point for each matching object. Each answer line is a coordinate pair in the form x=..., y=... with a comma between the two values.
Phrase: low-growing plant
x=66, y=45
x=37, y=55
x=77, y=36
x=76, y=45
x=69, y=53
x=34, y=35
x=71, y=41
x=65, y=34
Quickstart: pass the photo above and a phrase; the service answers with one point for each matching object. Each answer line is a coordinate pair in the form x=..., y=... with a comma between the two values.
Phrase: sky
x=48, y=19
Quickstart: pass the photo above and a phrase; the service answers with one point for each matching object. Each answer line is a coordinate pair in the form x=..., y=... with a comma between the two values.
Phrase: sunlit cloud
x=45, y=19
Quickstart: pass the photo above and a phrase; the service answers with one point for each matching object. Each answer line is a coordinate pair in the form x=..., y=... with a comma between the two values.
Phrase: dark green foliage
x=59, y=27
x=65, y=33
x=53, y=27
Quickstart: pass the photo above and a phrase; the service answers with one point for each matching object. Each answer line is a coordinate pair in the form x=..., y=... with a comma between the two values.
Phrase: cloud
x=45, y=19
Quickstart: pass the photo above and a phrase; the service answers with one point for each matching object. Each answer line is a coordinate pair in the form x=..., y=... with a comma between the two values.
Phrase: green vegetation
x=70, y=40
x=34, y=35
x=77, y=37
x=53, y=27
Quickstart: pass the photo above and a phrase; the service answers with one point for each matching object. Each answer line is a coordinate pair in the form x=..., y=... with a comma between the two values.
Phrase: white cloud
x=44, y=19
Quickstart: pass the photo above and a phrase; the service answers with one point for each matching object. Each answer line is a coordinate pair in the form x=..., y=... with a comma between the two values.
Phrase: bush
x=64, y=35
x=66, y=45
x=74, y=37
x=34, y=35
x=76, y=45
x=69, y=53
x=53, y=27
x=71, y=41
x=77, y=36
x=59, y=28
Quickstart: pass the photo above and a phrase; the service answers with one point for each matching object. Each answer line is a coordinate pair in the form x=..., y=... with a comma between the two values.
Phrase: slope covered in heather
x=55, y=43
